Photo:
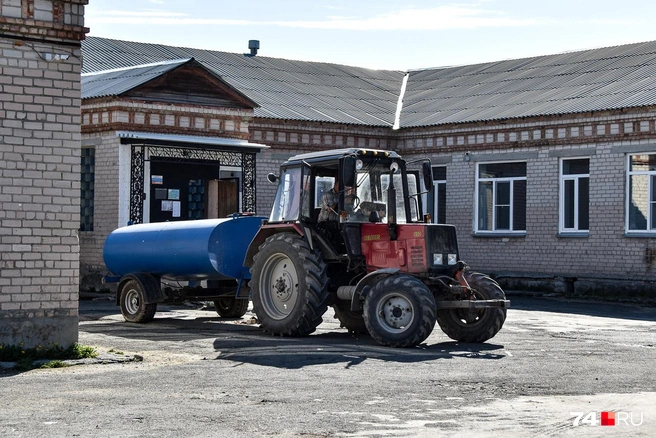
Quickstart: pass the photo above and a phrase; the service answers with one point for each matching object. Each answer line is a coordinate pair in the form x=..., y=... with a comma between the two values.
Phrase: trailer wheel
x=231, y=307
x=399, y=311
x=133, y=299
x=350, y=320
x=289, y=286
x=479, y=325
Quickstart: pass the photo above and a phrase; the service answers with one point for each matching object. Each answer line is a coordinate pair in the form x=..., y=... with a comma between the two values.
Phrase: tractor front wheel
x=399, y=311
x=478, y=325
x=289, y=286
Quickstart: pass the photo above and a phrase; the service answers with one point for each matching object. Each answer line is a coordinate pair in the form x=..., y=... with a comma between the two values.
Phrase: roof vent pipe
x=253, y=46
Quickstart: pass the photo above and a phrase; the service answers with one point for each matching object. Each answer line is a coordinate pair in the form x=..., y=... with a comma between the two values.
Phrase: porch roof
x=187, y=140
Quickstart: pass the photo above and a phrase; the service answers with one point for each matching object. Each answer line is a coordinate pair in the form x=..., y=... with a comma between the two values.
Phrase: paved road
x=205, y=376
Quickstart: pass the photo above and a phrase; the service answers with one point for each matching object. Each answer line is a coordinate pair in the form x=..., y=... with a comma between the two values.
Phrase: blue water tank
x=183, y=250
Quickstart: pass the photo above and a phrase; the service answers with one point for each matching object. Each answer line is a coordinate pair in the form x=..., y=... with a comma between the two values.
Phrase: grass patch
x=55, y=354
x=54, y=364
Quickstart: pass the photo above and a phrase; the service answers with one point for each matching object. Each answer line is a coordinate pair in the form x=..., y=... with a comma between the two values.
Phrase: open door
x=223, y=197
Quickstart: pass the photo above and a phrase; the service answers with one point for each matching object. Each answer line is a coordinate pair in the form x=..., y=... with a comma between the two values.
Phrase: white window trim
x=436, y=206
x=561, y=197
x=627, y=195
x=512, y=205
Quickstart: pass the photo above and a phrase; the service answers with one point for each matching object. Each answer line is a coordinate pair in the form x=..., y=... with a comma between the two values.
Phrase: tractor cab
x=353, y=187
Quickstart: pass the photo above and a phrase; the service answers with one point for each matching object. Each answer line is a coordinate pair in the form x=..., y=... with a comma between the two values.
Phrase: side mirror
x=427, y=172
x=272, y=177
x=348, y=171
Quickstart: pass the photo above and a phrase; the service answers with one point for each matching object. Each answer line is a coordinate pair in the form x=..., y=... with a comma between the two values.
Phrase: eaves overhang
x=178, y=140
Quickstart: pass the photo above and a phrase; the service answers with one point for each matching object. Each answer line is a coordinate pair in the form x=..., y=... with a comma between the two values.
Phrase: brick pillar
x=39, y=170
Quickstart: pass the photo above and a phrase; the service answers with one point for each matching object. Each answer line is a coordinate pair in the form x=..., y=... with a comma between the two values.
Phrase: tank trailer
x=386, y=270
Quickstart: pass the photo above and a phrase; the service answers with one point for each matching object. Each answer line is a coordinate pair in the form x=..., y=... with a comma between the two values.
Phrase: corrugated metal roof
x=284, y=89
x=590, y=80
x=118, y=81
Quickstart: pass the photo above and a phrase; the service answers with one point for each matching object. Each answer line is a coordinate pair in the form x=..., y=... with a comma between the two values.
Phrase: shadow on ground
x=237, y=341
x=584, y=307
x=341, y=348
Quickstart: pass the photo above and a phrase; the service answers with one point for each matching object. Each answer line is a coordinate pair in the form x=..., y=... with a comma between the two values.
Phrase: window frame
x=651, y=176
x=494, y=181
x=437, y=183
x=289, y=201
x=562, y=178
x=87, y=188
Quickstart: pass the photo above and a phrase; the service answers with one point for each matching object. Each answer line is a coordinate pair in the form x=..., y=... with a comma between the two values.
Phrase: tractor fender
x=310, y=234
x=365, y=284
x=149, y=284
x=264, y=233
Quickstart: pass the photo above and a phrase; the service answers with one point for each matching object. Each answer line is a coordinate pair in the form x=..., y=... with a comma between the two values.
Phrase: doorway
x=222, y=197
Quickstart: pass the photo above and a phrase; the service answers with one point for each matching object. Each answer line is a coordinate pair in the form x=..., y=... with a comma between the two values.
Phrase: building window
x=501, y=197
x=438, y=205
x=87, y=162
x=574, y=195
x=641, y=205
x=196, y=199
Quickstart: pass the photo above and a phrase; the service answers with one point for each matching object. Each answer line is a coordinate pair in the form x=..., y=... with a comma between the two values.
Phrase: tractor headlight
x=453, y=259
x=437, y=259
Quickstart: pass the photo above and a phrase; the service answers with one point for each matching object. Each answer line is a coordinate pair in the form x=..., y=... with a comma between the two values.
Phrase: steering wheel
x=354, y=200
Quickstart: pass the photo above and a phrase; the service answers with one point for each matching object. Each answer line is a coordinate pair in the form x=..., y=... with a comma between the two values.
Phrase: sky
x=379, y=34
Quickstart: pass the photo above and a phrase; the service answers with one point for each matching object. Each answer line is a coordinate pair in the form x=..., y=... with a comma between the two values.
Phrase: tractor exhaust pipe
x=346, y=292
x=391, y=203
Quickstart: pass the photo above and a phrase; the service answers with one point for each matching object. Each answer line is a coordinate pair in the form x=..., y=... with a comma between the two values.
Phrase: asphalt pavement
x=554, y=369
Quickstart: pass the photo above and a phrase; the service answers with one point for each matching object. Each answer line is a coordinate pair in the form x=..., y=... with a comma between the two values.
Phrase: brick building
x=544, y=164
x=170, y=131
x=39, y=170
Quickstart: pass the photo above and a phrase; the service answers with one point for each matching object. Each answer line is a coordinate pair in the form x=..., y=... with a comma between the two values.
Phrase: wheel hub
x=132, y=302
x=470, y=316
x=279, y=283
x=282, y=288
x=396, y=312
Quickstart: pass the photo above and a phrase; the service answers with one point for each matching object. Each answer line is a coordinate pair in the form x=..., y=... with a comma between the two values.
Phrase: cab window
x=288, y=198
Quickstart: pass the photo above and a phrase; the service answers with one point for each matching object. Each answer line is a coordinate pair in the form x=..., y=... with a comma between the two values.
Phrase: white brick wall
x=605, y=253
x=12, y=8
x=39, y=185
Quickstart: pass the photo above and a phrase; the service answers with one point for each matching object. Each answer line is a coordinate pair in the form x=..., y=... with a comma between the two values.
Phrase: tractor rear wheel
x=478, y=325
x=350, y=320
x=231, y=307
x=289, y=286
x=399, y=311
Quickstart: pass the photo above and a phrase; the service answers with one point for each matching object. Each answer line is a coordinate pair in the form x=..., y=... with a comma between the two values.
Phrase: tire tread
x=315, y=272
x=494, y=317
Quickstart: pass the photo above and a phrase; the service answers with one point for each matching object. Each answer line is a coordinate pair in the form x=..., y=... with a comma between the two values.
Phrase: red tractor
x=377, y=260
